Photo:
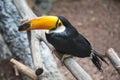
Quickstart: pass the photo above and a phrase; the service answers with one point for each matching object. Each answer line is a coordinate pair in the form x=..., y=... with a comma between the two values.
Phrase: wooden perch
x=77, y=71
x=24, y=69
x=114, y=59
x=35, y=50
x=70, y=63
x=34, y=42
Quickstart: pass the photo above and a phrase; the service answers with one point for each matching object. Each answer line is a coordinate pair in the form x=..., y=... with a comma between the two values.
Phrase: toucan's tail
x=97, y=59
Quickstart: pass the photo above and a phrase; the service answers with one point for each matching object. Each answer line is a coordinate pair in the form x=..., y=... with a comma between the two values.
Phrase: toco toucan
x=64, y=37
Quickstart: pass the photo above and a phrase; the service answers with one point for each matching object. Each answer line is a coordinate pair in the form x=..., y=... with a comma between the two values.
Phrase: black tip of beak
x=24, y=26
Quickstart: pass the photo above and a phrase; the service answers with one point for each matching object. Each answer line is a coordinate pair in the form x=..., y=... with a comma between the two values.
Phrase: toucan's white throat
x=59, y=29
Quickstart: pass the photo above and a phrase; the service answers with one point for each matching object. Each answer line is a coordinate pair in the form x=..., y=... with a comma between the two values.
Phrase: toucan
x=61, y=34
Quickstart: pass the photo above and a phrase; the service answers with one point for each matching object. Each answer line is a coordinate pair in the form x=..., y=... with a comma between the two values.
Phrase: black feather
x=97, y=59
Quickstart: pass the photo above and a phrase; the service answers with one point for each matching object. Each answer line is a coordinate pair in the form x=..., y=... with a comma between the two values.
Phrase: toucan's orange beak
x=45, y=22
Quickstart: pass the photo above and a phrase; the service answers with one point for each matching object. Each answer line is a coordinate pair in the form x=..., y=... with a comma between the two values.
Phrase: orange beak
x=45, y=22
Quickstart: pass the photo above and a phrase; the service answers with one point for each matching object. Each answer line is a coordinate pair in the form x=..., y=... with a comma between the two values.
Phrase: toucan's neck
x=57, y=30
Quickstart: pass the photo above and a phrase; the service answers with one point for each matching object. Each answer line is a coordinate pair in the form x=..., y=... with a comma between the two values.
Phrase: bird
x=65, y=38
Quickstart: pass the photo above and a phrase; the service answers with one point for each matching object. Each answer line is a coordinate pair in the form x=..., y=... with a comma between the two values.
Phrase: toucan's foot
x=65, y=56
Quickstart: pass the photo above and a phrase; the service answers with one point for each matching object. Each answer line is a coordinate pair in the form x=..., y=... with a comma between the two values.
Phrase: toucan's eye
x=59, y=24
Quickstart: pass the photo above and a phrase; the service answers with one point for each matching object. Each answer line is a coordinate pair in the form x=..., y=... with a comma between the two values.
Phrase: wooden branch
x=77, y=71
x=24, y=69
x=50, y=63
x=16, y=70
x=34, y=42
x=35, y=49
x=114, y=59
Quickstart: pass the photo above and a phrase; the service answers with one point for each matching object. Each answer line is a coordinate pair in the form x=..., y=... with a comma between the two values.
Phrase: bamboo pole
x=114, y=59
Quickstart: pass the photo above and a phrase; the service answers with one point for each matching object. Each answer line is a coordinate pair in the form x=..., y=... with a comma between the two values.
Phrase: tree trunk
x=16, y=41
x=4, y=51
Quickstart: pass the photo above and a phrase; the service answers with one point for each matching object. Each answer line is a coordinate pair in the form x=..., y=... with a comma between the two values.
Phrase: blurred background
x=97, y=20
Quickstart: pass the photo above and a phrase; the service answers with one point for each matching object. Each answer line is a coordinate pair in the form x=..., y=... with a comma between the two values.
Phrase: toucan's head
x=44, y=22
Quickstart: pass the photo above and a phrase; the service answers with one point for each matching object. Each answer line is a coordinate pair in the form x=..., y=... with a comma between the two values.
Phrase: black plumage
x=72, y=42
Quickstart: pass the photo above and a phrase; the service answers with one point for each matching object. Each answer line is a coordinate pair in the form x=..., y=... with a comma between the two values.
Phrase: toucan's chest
x=58, y=40
x=70, y=43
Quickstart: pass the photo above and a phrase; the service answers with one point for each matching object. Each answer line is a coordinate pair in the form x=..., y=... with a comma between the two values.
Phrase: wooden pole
x=114, y=59
x=35, y=50
x=34, y=42
x=24, y=69
x=77, y=71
